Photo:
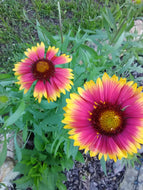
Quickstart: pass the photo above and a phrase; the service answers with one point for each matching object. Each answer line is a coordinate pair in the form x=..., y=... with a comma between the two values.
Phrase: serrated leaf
x=37, y=129
x=79, y=70
x=90, y=50
x=16, y=115
x=24, y=182
x=100, y=35
x=108, y=20
x=52, y=119
x=44, y=35
x=50, y=180
x=45, y=105
x=17, y=148
x=61, y=186
x=58, y=145
x=3, y=99
x=50, y=128
x=25, y=133
x=126, y=66
x=66, y=42
x=3, y=153
x=70, y=149
x=103, y=164
x=79, y=157
x=120, y=41
x=4, y=76
x=67, y=163
x=39, y=143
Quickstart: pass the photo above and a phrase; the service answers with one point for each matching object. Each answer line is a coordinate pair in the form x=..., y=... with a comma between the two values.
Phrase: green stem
x=118, y=31
x=60, y=22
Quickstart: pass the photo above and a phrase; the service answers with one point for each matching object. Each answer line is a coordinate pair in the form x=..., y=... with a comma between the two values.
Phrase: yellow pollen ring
x=109, y=120
x=42, y=66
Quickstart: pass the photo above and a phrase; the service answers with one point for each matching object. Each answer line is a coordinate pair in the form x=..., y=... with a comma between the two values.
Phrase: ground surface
x=90, y=176
x=16, y=32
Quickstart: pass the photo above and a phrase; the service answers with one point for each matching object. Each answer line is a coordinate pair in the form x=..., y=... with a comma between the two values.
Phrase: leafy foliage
x=130, y=162
x=109, y=47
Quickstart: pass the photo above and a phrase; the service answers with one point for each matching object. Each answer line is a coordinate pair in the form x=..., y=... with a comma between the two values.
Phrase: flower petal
x=32, y=53
x=40, y=90
x=109, y=98
x=61, y=59
x=40, y=50
x=51, y=52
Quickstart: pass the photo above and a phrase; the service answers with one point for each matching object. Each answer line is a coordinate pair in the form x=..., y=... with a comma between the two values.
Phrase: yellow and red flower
x=137, y=1
x=51, y=80
x=106, y=117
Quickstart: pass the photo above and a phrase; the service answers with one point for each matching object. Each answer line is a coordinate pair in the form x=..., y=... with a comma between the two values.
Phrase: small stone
x=76, y=182
x=91, y=170
x=129, y=178
x=140, y=151
x=140, y=179
x=93, y=186
x=118, y=166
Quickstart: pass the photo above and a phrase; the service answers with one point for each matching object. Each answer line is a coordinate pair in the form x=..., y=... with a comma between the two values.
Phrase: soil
x=90, y=176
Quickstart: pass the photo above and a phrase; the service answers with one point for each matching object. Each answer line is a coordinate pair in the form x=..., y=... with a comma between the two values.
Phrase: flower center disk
x=43, y=69
x=42, y=66
x=107, y=119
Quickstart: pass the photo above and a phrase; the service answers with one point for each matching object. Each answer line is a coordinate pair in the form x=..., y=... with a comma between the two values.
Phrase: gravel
x=90, y=176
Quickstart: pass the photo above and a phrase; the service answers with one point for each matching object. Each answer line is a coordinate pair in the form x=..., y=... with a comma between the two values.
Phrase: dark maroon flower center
x=107, y=119
x=43, y=69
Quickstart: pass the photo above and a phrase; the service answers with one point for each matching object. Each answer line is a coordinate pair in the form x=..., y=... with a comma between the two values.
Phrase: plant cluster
x=111, y=48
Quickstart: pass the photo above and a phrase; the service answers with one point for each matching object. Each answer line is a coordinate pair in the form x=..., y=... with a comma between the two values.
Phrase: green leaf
x=127, y=65
x=4, y=76
x=67, y=163
x=25, y=133
x=48, y=180
x=24, y=182
x=45, y=105
x=3, y=153
x=103, y=164
x=100, y=35
x=16, y=115
x=59, y=183
x=39, y=143
x=3, y=99
x=52, y=118
x=79, y=70
x=66, y=42
x=61, y=186
x=120, y=41
x=17, y=148
x=70, y=149
x=79, y=157
x=92, y=52
x=37, y=129
x=44, y=35
x=58, y=145
x=50, y=128
x=2, y=184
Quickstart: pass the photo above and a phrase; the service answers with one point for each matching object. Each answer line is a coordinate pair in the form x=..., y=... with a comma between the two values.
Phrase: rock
x=138, y=26
x=93, y=186
x=6, y=173
x=129, y=178
x=10, y=145
x=118, y=166
x=140, y=178
x=140, y=150
x=6, y=170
